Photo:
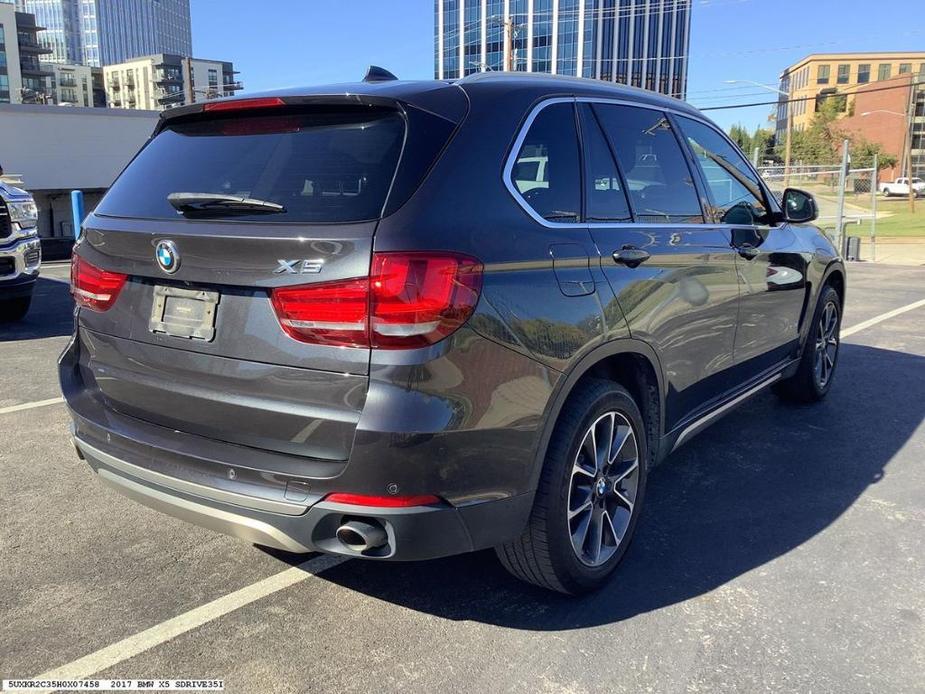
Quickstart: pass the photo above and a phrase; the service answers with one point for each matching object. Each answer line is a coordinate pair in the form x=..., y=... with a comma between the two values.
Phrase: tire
x=546, y=554
x=886, y=192
x=816, y=371
x=14, y=309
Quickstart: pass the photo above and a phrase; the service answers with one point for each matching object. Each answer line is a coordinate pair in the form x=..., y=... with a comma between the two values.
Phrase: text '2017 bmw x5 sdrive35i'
x=404, y=320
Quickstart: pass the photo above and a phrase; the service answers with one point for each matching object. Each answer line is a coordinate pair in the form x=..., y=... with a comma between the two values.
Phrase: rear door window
x=606, y=199
x=330, y=165
x=734, y=191
x=547, y=170
x=659, y=182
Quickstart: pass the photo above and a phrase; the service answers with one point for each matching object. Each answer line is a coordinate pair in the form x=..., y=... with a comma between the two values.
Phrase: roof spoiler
x=374, y=73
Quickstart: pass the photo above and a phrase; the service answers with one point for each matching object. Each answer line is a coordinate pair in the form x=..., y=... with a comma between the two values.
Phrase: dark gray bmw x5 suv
x=404, y=320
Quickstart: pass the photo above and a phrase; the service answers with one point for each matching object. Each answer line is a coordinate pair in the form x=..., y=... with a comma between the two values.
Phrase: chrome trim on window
x=525, y=128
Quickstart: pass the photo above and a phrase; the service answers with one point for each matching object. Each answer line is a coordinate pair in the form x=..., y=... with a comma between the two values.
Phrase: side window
x=658, y=180
x=547, y=171
x=734, y=190
x=606, y=199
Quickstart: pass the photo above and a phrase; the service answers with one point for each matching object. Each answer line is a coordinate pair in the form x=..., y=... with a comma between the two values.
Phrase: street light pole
x=910, y=115
x=788, y=146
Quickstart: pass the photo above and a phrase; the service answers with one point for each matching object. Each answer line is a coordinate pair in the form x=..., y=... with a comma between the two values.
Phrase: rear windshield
x=325, y=166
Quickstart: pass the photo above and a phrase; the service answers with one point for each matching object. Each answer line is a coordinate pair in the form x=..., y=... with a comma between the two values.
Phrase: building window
x=883, y=71
x=844, y=72
x=863, y=73
x=905, y=68
x=822, y=74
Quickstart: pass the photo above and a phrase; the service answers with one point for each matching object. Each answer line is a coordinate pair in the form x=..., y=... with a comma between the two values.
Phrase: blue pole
x=77, y=211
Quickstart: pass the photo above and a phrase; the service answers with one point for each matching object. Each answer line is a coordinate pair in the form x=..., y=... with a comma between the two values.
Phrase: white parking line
x=30, y=405
x=165, y=631
x=879, y=319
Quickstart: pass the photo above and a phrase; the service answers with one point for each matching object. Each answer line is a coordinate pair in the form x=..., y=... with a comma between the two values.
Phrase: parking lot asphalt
x=781, y=550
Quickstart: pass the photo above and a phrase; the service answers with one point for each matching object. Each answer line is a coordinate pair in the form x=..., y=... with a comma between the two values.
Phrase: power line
x=810, y=98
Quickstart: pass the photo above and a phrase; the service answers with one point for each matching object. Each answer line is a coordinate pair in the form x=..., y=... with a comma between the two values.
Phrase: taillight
x=409, y=300
x=92, y=287
x=244, y=104
x=335, y=313
x=383, y=501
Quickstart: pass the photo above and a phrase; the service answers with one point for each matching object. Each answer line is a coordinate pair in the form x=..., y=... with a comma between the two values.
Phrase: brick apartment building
x=864, y=83
x=887, y=121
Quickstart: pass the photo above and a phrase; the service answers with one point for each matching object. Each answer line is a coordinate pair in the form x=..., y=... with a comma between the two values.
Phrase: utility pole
x=188, y=80
x=909, y=133
x=788, y=148
x=509, y=59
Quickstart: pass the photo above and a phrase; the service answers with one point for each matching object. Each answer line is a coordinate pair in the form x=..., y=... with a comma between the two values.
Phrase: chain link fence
x=847, y=202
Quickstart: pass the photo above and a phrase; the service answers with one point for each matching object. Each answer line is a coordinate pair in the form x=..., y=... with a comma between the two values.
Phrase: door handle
x=630, y=256
x=748, y=251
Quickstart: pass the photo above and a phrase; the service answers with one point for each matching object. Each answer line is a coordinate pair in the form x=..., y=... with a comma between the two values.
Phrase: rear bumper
x=422, y=532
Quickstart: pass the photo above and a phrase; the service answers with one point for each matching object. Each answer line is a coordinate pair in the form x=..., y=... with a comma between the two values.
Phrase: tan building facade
x=158, y=82
x=825, y=74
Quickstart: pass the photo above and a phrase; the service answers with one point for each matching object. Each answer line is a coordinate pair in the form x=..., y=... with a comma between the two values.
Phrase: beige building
x=158, y=82
x=71, y=85
x=828, y=74
x=22, y=77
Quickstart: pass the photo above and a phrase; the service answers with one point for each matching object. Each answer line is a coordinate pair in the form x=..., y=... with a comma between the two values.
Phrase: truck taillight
x=93, y=287
x=409, y=300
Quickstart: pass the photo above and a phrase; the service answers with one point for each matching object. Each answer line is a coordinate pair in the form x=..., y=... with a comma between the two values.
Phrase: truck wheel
x=14, y=309
x=589, y=495
x=814, y=375
x=886, y=192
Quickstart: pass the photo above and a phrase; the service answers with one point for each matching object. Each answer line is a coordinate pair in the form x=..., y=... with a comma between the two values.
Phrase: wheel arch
x=629, y=362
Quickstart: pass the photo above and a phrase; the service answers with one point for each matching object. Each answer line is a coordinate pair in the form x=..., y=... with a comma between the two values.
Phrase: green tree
x=863, y=151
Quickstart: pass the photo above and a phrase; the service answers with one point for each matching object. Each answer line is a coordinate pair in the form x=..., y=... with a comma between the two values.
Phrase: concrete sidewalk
x=896, y=250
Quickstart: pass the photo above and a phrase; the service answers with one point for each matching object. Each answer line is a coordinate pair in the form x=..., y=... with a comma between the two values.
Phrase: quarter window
x=547, y=171
x=733, y=188
x=658, y=180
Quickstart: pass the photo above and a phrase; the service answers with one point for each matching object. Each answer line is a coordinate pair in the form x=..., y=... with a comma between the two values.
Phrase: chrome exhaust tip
x=361, y=536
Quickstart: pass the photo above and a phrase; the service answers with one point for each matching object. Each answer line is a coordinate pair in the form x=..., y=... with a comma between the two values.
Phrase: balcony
x=32, y=47
x=67, y=82
x=232, y=86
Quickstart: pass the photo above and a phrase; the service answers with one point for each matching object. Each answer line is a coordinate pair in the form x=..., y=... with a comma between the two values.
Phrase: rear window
x=324, y=166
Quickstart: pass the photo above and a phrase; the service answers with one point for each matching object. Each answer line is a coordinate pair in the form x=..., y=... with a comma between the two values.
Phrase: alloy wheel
x=826, y=348
x=602, y=488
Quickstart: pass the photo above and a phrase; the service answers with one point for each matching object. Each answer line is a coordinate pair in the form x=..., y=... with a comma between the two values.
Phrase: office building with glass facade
x=643, y=43
x=105, y=32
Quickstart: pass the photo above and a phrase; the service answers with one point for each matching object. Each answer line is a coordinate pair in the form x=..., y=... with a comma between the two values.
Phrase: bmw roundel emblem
x=167, y=256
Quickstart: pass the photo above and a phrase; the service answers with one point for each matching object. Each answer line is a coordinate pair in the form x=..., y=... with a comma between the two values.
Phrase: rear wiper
x=204, y=204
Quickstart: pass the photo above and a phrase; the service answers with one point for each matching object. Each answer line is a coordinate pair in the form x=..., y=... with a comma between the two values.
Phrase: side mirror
x=799, y=206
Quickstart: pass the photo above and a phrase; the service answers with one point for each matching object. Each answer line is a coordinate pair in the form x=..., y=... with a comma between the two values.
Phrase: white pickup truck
x=901, y=187
x=20, y=251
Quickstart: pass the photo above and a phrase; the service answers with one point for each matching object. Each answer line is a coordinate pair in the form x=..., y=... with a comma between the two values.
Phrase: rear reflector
x=244, y=104
x=92, y=287
x=383, y=501
x=409, y=300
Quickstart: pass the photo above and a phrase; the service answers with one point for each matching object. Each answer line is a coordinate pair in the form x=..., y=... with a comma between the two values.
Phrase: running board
x=706, y=420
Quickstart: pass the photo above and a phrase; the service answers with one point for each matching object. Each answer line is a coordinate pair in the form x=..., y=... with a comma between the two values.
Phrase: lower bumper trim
x=222, y=521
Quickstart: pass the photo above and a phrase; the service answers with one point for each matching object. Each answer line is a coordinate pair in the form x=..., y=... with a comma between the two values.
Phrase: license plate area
x=186, y=313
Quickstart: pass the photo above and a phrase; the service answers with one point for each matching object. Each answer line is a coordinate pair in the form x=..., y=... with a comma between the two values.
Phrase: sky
x=284, y=43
